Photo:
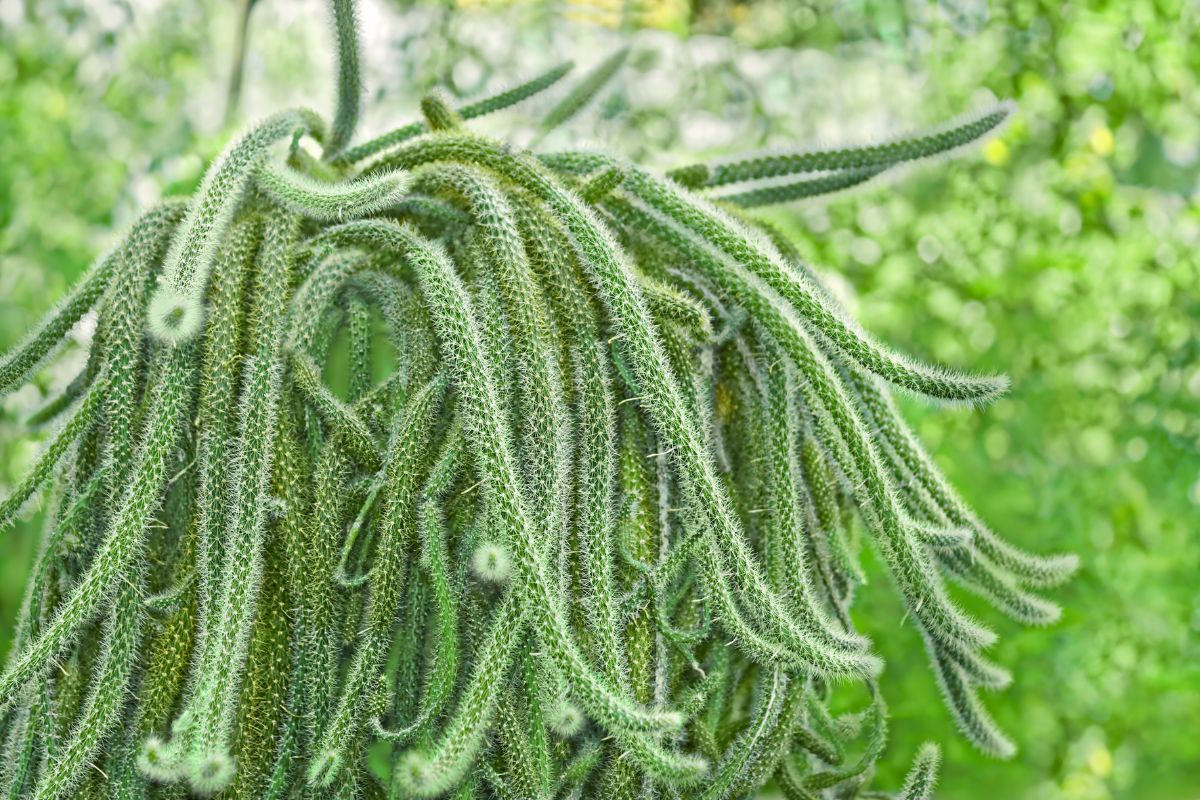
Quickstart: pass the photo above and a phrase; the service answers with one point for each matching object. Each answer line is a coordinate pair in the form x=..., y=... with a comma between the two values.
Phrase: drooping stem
x=233, y=95
x=349, y=81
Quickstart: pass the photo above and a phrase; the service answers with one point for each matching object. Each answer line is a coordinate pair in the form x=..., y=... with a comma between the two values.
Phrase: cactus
x=594, y=532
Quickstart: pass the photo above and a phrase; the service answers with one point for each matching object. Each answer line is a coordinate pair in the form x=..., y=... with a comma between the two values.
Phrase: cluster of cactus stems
x=583, y=520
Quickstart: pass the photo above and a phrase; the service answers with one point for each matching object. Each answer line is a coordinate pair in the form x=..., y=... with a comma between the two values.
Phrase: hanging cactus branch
x=881, y=155
x=584, y=519
x=488, y=105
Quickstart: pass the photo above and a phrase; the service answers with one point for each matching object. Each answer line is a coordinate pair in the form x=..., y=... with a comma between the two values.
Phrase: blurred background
x=1062, y=252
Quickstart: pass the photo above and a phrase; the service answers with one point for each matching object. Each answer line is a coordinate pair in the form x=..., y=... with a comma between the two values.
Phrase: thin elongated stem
x=775, y=194
x=84, y=416
x=102, y=711
x=126, y=533
x=405, y=461
x=18, y=363
x=349, y=81
x=479, y=108
x=215, y=698
x=881, y=155
x=586, y=90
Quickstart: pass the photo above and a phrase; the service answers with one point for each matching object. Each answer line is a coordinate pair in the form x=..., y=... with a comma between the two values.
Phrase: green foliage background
x=1063, y=253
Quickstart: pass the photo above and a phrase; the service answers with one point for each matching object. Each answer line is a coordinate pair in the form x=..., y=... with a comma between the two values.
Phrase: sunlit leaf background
x=1063, y=252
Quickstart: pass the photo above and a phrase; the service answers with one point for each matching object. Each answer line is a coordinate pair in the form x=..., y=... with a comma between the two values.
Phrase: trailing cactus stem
x=479, y=473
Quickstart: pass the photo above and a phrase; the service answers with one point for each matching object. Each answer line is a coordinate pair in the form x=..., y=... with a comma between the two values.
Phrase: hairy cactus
x=584, y=519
